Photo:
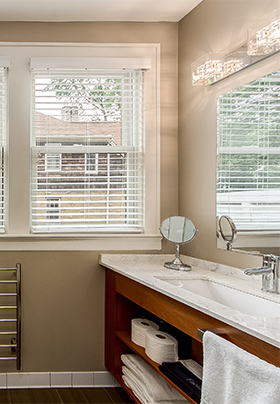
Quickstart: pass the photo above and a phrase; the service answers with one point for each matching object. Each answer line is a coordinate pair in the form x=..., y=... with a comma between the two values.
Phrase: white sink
x=236, y=299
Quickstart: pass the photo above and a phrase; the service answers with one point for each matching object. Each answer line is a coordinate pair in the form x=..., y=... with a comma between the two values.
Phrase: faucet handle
x=266, y=260
x=271, y=261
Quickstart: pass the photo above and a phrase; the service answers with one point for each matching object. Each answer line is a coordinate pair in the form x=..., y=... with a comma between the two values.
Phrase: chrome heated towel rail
x=10, y=315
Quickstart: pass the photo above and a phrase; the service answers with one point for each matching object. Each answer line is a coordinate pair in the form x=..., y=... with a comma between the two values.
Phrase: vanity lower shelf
x=124, y=336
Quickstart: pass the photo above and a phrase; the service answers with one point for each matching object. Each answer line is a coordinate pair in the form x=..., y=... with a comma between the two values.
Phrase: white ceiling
x=95, y=10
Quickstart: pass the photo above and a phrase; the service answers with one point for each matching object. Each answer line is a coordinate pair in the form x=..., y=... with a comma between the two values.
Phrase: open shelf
x=124, y=336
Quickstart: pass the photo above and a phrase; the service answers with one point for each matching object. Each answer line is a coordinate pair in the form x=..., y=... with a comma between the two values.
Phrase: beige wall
x=63, y=292
x=213, y=26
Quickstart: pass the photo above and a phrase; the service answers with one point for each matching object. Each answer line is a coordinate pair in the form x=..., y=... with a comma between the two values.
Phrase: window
x=91, y=162
x=248, y=181
x=77, y=115
x=3, y=130
x=53, y=161
x=52, y=209
x=76, y=177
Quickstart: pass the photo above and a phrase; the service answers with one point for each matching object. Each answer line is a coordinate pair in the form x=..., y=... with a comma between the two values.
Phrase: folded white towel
x=154, y=385
x=234, y=376
x=136, y=391
x=193, y=367
x=140, y=391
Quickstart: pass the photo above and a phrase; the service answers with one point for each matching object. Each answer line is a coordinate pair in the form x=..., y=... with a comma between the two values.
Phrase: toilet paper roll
x=161, y=347
x=139, y=326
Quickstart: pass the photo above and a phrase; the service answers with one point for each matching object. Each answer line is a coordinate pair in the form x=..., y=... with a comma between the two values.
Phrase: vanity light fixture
x=264, y=35
x=207, y=69
x=213, y=67
x=263, y=40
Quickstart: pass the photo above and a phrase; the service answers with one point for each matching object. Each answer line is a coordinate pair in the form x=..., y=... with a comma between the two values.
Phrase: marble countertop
x=149, y=270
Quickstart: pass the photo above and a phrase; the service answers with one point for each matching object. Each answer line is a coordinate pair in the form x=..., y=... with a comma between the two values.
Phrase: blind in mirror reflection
x=248, y=154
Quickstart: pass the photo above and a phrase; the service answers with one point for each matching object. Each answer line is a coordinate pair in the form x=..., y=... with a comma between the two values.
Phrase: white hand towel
x=140, y=391
x=157, y=388
x=234, y=376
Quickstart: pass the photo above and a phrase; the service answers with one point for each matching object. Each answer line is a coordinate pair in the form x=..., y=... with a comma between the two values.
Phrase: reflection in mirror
x=248, y=169
x=227, y=230
x=178, y=230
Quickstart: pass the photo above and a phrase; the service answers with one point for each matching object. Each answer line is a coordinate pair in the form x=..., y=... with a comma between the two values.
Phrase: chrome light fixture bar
x=263, y=41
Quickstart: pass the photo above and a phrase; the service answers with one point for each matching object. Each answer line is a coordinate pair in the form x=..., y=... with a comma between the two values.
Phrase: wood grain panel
x=189, y=320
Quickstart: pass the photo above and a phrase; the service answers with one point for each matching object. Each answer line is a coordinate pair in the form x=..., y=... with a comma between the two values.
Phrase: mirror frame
x=229, y=240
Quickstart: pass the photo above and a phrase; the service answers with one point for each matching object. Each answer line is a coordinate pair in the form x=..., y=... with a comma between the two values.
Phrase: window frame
x=18, y=235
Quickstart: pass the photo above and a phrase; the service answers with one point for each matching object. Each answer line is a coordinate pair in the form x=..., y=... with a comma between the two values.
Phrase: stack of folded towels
x=146, y=384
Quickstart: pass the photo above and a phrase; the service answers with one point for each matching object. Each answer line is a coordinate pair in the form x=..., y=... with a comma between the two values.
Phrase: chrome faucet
x=270, y=272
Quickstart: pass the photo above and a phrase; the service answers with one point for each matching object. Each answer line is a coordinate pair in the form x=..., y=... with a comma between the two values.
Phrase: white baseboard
x=24, y=380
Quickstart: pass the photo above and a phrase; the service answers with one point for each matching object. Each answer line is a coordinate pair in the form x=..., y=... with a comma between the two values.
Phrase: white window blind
x=248, y=180
x=3, y=130
x=89, y=124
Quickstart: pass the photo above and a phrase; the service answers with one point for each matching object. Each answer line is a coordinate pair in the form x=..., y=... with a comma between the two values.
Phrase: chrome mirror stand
x=177, y=263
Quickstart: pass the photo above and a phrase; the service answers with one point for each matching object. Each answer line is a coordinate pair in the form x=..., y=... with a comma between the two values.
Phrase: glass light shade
x=264, y=35
x=213, y=67
x=207, y=69
x=235, y=61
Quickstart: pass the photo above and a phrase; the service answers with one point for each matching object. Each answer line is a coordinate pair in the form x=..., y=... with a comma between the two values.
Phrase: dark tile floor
x=65, y=396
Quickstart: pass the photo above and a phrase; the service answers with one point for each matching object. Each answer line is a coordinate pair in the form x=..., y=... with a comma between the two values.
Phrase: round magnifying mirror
x=178, y=230
x=228, y=230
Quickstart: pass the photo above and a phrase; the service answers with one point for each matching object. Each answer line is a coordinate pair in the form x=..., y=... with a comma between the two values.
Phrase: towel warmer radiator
x=10, y=314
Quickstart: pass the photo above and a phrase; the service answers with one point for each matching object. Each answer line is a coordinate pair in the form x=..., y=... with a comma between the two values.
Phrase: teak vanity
x=127, y=299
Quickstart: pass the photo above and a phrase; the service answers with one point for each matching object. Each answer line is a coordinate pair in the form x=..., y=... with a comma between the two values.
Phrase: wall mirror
x=248, y=164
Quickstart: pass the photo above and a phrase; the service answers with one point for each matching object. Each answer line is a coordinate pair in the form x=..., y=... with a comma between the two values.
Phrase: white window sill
x=67, y=242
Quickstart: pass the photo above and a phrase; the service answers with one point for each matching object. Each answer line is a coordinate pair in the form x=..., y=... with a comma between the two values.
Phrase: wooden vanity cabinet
x=126, y=299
